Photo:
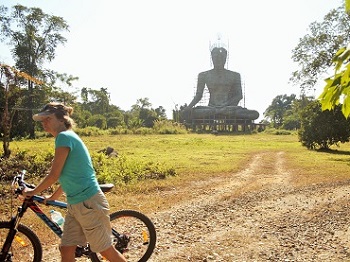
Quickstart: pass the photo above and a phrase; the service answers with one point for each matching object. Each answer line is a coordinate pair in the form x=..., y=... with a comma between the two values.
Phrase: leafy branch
x=337, y=89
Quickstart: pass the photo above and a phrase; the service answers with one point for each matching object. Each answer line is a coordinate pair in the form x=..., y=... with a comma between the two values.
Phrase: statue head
x=219, y=55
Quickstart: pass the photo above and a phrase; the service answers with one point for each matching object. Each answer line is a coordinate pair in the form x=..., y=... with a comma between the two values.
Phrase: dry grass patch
x=203, y=163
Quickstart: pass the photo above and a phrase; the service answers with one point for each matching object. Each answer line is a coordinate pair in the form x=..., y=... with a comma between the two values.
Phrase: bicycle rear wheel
x=134, y=235
x=26, y=246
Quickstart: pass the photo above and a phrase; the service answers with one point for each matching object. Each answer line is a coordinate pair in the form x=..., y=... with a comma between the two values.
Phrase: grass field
x=195, y=157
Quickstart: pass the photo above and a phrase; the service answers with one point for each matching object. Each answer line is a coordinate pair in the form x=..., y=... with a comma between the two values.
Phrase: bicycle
x=133, y=233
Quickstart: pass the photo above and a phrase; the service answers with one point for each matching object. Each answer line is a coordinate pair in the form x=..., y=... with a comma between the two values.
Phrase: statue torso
x=224, y=87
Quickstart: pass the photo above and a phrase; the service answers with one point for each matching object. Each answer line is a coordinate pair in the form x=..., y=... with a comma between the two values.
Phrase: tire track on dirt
x=205, y=222
x=258, y=215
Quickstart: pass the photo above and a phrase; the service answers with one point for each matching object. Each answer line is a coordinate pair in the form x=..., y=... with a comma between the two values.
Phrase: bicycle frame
x=30, y=203
x=120, y=240
x=38, y=211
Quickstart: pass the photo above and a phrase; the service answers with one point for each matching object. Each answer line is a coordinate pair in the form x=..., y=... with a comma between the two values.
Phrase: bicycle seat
x=106, y=187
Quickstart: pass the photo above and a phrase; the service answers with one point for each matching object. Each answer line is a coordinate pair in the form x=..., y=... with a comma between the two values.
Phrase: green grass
x=195, y=157
x=204, y=153
x=199, y=156
x=190, y=153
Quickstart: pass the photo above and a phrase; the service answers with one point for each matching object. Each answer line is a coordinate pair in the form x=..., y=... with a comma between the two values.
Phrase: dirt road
x=257, y=216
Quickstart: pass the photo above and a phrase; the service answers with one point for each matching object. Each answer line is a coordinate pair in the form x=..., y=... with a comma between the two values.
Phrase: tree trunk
x=30, y=111
x=6, y=126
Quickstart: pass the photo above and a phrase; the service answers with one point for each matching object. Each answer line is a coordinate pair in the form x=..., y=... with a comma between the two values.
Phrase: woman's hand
x=28, y=192
x=49, y=198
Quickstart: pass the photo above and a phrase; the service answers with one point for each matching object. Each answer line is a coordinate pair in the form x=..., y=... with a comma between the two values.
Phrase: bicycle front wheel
x=134, y=235
x=26, y=246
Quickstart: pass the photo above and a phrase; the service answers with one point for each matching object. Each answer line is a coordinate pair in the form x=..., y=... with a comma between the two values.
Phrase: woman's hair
x=62, y=112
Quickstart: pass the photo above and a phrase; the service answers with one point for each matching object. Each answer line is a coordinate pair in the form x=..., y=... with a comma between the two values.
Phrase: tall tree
x=96, y=101
x=143, y=103
x=143, y=114
x=292, y=119
x=62, y=85
x=33, y=37
x=9, y=77
x=315, y=50
x=278, y=108
x=84, y=94
x=161, y=112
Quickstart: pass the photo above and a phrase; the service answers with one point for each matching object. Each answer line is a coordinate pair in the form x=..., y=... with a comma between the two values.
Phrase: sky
x=155, y=49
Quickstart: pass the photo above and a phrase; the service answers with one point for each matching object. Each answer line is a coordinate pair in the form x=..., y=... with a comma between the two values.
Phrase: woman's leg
x=67, y=253
x=113, y=255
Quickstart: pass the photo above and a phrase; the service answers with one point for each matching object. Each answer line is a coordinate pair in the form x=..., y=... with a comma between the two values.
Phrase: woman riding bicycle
x=87, y=219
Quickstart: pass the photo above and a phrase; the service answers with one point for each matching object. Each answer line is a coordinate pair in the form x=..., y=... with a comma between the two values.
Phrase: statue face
x=219, y=56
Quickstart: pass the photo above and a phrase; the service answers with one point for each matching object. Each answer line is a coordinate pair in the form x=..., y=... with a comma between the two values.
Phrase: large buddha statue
x=225, y=92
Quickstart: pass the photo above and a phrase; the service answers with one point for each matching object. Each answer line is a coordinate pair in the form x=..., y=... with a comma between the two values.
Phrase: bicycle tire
x=137, y=226
x=26, y=247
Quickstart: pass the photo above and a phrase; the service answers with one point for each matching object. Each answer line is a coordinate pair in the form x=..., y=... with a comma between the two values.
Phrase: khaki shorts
x=88, y=221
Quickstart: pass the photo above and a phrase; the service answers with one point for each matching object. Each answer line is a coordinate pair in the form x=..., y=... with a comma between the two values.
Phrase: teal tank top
x=77, y=179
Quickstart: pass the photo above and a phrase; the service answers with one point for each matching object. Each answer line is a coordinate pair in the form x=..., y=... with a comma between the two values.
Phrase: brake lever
x=19, y=190
x=31, y=186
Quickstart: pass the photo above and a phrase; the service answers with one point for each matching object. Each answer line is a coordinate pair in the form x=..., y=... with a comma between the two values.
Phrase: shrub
x=321, y=129
x=120, y=170
x=99, y=121
x=274, y=131
x=89, y=131
x=169, y=127
x=119, y=131
x=37, y=165
x=143, y=131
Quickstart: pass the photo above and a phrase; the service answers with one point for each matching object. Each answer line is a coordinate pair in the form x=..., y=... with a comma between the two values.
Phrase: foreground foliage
x=322, y=129
x=116, y=169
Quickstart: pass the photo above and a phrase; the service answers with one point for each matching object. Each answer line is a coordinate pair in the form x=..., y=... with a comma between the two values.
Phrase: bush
x=274, y=131
x=119, y=170
x=321, y=129
x=169, y=127
x=119, y=131
x=99, y=121
x=143, y=131
x=37, y=165
x=89, y=131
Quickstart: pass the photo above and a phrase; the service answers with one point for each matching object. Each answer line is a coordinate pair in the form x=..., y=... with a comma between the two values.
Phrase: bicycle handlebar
x=19, y=184
x=18, y=180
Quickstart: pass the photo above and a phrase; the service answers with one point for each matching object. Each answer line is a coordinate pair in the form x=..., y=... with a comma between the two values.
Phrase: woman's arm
x=56, y=195
x=61, y=154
